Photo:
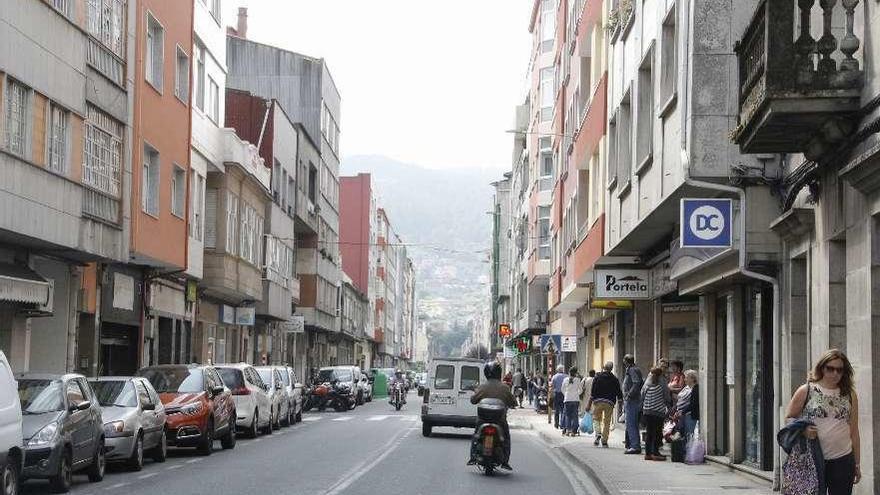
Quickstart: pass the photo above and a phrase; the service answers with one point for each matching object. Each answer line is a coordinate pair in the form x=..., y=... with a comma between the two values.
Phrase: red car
x=198, y=406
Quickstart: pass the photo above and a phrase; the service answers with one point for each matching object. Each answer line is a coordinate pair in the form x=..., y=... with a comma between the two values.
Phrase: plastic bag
x=668, y=429
x=696, y=449
x=587, y=423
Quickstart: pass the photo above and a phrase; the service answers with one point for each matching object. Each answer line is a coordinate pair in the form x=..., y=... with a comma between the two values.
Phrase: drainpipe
x=774, y=282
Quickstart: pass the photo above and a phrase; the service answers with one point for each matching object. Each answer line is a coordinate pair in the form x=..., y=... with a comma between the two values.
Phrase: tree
x=478, y=351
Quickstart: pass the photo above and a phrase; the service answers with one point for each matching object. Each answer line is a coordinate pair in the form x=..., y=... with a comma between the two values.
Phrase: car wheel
x=299, y=417
x=228, y=440
x=206, y=446
x=288, y=420
x=9, y=482
x=269, y=426
x=277, y=424
x=99, y=464
x=426, y=430
x=136, y=461
x=160, y=452
x=61, y=481
x=254, y=430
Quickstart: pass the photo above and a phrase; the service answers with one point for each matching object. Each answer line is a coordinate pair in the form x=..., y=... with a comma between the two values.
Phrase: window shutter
x=211, y=218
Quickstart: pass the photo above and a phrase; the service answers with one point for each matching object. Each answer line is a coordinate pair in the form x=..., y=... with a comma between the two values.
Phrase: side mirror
x=217, y=390
x=149, y=407
x=277, y=385
x=82, y=406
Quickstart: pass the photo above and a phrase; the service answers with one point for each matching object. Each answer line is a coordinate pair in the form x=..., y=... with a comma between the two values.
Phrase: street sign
x=296, y=324
x=706, y=223
x=551, y=344
x=569, y=343
x=622, y=283
x=245, y=316
x=504, y=330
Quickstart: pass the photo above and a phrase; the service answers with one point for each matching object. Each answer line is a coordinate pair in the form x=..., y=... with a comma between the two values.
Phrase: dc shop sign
x=706, y=223
x=621, y=283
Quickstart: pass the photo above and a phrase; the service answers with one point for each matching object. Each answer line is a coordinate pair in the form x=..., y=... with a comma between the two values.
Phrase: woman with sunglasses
x=829, y=400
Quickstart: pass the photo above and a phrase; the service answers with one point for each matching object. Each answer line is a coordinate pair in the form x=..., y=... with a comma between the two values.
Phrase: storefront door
x=757, y=379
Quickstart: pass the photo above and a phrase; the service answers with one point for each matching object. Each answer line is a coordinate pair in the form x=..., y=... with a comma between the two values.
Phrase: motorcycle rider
x=397, y=378
x=495, y=389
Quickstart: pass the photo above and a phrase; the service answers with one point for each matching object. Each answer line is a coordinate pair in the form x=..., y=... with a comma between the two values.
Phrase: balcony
x=798, y=93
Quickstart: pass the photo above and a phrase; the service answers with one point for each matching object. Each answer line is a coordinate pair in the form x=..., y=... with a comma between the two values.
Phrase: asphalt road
x=371, y=450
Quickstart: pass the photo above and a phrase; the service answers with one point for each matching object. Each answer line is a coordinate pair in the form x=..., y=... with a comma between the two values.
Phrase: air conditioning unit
x=311, y=208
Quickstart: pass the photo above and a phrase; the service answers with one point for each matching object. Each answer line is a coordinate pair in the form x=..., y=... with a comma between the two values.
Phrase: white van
x=11, y=457
x=447, y=397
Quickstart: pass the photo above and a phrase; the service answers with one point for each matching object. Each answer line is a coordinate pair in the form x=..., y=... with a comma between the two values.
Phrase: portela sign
x=623, y=283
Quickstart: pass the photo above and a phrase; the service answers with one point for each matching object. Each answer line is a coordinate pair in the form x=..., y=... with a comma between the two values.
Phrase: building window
x=645, y=124
x=547, y=93
x=291, y=194
x=231, y=222
x=155, y=56
x=548, y=25
x=612, y=152
x=544, y=232
x=178, y=191
x=150, y=181
x=276, y=183
x=210, y=218
x=313, y=183
x=213, y=100
x=199, y=82
x=197, y=206
x=668, y=62
x=181, y=82
x=624, y=139
x=56, y=137
x=62, y=6
x=106, y=22
x=17, y=114
x=546, y=158
x=102, y=152
x=215, y=8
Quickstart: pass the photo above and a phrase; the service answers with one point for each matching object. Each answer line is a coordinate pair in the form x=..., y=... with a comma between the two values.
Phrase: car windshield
x=116, y=393
x=330, y=375
x=40, y=396
x=285, y=377
x=179, y=380
x=231, y=377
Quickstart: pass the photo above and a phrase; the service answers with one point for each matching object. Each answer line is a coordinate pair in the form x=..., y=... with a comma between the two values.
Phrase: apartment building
x=305, y=89
x=64, y=175
x=578, y=206
x=355, y=323
x=359, y=250
x=499, y=261
x=813, y=96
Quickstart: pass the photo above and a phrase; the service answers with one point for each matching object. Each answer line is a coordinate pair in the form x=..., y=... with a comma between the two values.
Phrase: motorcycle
x=316, y=397
x=489, y=445
x=397, y=396
x=341, y=397
x=541, y=401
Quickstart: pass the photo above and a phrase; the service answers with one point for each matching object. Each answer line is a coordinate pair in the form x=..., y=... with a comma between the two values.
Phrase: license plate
x=488, y=443
x=440, y=399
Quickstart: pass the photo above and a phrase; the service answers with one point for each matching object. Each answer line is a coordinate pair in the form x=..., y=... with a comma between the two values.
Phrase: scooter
x=316, y=397
x=398, y=396
x=489, y=445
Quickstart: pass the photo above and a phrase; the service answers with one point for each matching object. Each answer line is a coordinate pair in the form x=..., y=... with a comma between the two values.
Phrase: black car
x=61, y=428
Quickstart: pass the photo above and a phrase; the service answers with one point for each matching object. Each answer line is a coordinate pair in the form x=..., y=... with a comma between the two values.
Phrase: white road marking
x=193, y=461
x=117, y=485
x=365, y=467
x=409, y=418
x=377, y=418
x=312, y=418
x=176, y=466
x=343, y=418
x=148, y=475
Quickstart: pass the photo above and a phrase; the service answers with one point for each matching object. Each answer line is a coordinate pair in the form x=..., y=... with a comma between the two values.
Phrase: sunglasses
x=833, y=369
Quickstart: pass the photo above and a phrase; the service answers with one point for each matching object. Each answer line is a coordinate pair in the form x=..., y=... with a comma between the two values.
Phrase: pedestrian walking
x=540, y=384
x=530, y=386
x=508, y=380
x=687, y=407
x=588, y=386
x=632, y=404
x=828, y=400
x=572, y=389
x=655, y=406
x=558, y=397
x=604, y=395
x=519, y=386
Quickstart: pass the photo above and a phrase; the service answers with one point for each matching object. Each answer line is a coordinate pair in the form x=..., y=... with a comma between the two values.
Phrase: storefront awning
x=20, y=284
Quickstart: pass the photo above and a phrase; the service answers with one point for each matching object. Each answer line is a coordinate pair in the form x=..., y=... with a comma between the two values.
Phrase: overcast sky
x=430, y=82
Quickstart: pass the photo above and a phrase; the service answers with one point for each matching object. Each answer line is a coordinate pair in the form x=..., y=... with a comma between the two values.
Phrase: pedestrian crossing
x=375, y=418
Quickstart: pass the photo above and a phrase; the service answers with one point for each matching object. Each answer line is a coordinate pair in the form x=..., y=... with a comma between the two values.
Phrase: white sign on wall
x=123, y=291
x=245, y=316
x=296, y=324
x=569, y=343
x=623, y=283
x=227, y=314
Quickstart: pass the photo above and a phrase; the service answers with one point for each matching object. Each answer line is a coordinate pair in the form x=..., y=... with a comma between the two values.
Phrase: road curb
x=590, y=472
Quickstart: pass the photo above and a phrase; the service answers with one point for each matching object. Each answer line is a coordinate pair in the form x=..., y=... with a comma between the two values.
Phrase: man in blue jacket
x=558, y=397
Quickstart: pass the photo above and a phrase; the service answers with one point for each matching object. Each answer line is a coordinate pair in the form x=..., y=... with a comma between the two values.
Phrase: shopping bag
x=668, y=429
x=587, y=423
x=696, y=449
x=799, y=475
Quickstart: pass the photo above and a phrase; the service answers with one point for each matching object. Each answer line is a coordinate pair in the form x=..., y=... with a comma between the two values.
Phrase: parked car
x=198, y=407
x=11, y=441
x=252, y=404
x=134, y=420
x=347, y=378
x=294, y=390
x=447, y=398
x=277, y=396
x=61, y=428
x=366, y=386
x=422, y=382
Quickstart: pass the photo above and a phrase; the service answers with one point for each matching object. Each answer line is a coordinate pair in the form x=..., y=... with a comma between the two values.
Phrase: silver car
x=271, y=377
x=134, y=420
x=294, y=390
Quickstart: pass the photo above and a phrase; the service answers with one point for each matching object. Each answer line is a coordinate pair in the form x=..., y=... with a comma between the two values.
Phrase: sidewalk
x=617, y=473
